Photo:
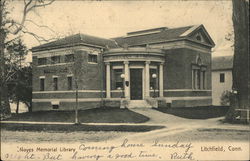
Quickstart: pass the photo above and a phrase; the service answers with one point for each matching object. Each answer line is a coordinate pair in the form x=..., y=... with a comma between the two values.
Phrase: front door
x=136, y=84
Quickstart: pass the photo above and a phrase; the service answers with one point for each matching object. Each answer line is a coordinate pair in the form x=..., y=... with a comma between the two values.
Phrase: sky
x=115, y=18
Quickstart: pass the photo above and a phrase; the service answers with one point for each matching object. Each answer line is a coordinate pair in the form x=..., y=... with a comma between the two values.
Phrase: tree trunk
x=30, y=107
x=4, y=100
x=241, y=81
x=76, y=105
x=17, y=106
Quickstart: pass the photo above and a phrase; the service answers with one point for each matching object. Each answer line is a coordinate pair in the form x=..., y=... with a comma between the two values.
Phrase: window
x=203, y=79
x=198, y=37
x=92, y=58
x=55, y=107
x=118, y=79
x=55, y=59
x=42, y=85
x=199, y=78
x=222, y=77
x=55, y=83
x=69, y=58
x=69, y=83
x=42, y=61
x=153, y=81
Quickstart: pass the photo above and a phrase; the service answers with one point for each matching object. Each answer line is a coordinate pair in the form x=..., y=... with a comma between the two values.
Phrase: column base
x=124, y=103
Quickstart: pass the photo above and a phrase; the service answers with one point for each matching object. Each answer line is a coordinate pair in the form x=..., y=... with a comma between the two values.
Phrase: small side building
x=221, y=77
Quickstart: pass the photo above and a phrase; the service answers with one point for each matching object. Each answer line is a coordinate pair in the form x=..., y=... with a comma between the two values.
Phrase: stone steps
x=138, y=104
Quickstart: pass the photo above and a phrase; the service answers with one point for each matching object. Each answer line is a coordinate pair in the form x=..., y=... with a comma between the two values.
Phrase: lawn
x=208, y=135
x=197, y=112
x=97, y=115
x=59, y=137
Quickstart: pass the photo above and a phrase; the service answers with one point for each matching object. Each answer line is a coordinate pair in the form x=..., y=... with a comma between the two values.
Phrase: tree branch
x=37, y=37
x=42, y=26
x=27, y=8
x=40, y=5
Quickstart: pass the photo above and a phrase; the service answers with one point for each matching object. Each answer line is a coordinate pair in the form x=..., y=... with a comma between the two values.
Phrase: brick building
x=155, y=67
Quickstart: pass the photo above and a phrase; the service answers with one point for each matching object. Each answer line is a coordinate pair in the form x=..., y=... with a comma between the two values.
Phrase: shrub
x=225, y=98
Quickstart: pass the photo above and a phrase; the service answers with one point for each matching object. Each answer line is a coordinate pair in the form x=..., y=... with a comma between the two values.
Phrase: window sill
x=201, y=90
x=92, y=63
x=48, y=65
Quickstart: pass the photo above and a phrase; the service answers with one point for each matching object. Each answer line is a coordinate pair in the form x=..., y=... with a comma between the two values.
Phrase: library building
x=159, y=67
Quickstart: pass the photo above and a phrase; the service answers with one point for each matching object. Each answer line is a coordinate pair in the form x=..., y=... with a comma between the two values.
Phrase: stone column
x=161, y=88
x=126, y=78
x=147, y=79
x=108, y=80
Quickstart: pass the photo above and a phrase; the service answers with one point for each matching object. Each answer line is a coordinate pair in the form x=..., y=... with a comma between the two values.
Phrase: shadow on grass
x=205, y=112
x=96, y=115
x=79, y=127
x=222, y=130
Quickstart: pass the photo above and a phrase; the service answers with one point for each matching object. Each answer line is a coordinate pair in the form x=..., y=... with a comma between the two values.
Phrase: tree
x=241, y=83
x=20, y=89
x=10, y=28
x=15, y=55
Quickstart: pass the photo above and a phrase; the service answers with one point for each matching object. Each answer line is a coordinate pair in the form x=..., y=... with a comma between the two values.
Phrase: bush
x=225, y=98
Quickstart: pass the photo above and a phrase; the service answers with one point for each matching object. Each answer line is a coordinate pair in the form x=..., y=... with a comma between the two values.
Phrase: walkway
x=157, y=118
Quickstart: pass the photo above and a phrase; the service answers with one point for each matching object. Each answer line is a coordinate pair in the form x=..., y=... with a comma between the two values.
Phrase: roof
x=161, y=34
x=76, y=40
x=135, y=38
x=222, y=63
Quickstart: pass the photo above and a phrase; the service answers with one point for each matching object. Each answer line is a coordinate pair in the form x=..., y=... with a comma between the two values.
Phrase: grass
x=97, y=115
x=208, y=135
x=74, y=128
x=197, y=112
x=8, y=136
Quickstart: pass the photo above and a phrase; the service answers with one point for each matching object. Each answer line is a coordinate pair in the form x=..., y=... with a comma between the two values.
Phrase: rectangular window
x=153, y=81
x=118, y=79
x=55, y=84
x=92, y=58
x=203, y=80
x=198, y=79
x=69, y=83
x=222, y=77
x=42, y=85
x=42, y=61
x=55, y=107
x=55, y=59
x=69, y=58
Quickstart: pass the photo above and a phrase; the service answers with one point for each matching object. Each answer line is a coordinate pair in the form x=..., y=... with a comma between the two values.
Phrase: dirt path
x=176, y=126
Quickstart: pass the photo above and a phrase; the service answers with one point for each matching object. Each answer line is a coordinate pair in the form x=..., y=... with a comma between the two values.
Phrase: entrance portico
x=137, y=65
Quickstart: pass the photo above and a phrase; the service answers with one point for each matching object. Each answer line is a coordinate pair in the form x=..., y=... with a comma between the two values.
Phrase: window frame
x=70, y=85
x=118, y=82
x=55, y=62
x=199, y=77
x=222, y=79
x=39, y=60
x=55, y=83
x=90, y=58
x=42, y=85
x=69, y=58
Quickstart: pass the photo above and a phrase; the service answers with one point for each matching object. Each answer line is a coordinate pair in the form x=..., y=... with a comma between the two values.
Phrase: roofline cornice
x=172, y=40
x=65, y=46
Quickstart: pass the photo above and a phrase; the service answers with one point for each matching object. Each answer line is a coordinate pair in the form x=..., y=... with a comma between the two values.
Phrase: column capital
x=126, y=62
x=107, y=63
x=147, y=62
x=162, y=63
